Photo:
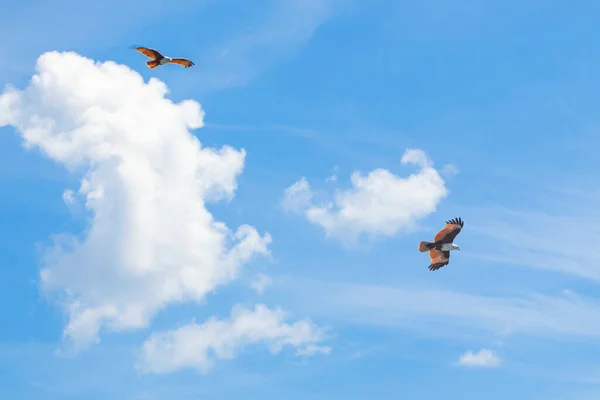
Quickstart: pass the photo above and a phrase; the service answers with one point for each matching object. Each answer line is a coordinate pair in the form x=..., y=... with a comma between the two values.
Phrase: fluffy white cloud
x=197, y=346
x=484, y=358
x=145, y=181
x=379, y=204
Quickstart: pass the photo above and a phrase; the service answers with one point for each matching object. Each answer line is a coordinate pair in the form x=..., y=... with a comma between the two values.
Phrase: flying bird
x=159, y=59
x=439, y=249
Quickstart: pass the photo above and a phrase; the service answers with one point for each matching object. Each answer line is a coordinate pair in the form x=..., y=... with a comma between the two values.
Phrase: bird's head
x=455, y=246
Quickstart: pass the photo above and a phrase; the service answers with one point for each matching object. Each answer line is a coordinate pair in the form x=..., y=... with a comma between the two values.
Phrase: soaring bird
x=439, y=249
x=159, y=59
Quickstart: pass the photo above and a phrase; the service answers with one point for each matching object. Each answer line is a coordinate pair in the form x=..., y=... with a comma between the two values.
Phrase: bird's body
x=159, y=59
x=442, y=245
x=449, y=247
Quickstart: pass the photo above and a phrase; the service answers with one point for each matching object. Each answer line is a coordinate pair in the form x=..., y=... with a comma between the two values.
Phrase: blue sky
x=504, y=92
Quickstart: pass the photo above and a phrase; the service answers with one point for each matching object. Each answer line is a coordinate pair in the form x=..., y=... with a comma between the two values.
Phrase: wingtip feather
x=456, y=221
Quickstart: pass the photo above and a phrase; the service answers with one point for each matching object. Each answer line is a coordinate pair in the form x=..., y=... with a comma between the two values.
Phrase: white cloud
x=449, y=170
x=261, y=282
x=68, y=197
x=483, y=358
x=297, y=197
x=379, y=204
x=333, y=177
x=145, y=181
x=197, y=346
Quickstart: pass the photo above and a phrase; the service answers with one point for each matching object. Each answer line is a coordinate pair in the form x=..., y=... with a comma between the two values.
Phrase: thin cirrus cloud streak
x=434, y=312
x=380, y=204
x=538, y=240
x=283, y=29
x=145, y=182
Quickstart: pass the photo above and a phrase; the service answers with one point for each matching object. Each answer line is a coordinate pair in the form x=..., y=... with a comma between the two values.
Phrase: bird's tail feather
x=152, y=64
x=425, y=246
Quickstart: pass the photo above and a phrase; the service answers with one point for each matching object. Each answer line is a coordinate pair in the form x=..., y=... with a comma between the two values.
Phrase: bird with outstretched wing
x=443, y=244
x=158, y=59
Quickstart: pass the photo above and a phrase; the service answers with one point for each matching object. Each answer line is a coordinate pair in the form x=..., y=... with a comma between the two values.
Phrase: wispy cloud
x=347, y=141
x=432, y=312
x=483, y=358
x=261, y=282
x=332, y=178
x=449, y=170
x=280, y=32
x=554, y=242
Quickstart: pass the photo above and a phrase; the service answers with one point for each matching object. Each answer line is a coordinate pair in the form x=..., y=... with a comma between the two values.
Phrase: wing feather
x=438, y=259
x=182, y=61
x=449, y=232
x=148, y=52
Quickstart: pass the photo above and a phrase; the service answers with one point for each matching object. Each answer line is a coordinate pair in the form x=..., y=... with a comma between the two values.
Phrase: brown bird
x=159, y=59
x=439, y=249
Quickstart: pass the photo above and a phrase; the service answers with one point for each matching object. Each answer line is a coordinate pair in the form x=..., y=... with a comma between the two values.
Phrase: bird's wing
x=151, y=53
x=450, y=231
x=438, y=259
x=182, y=61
